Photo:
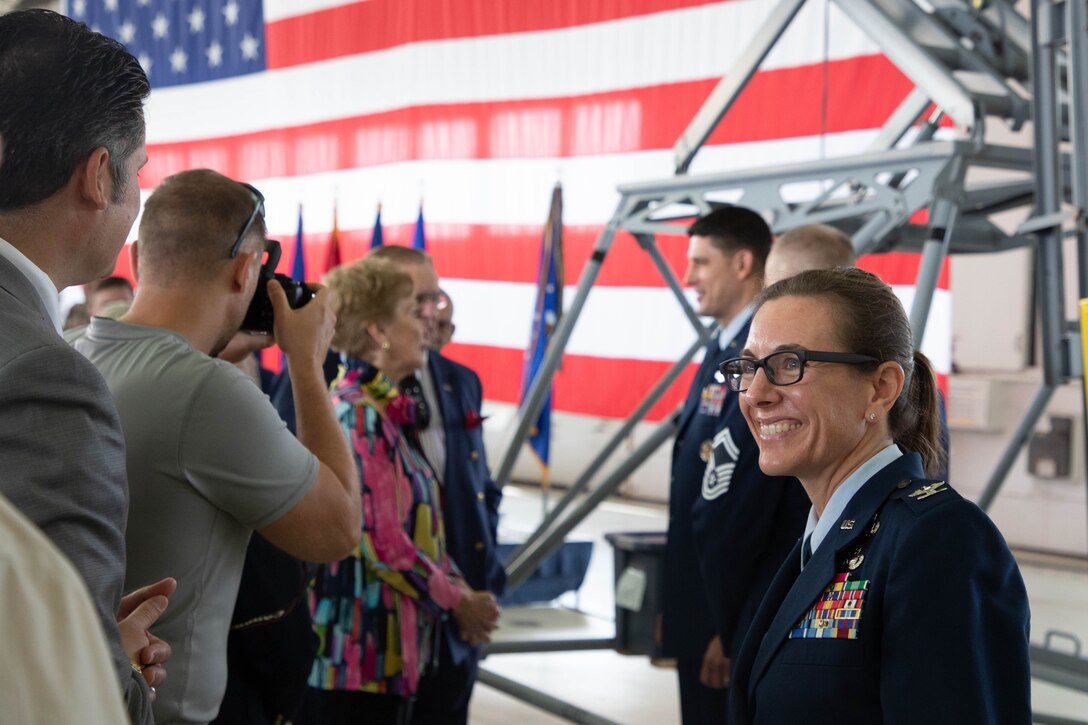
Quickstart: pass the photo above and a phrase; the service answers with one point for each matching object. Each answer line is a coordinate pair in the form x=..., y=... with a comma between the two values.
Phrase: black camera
x=259, y=315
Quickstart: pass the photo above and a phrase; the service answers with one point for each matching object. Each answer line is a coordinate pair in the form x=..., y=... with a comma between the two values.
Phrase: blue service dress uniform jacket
x=730, y=526
x=912, y=610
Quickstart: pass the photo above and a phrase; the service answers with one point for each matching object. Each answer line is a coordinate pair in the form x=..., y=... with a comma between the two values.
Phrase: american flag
x=480, y=108
x=179, y=43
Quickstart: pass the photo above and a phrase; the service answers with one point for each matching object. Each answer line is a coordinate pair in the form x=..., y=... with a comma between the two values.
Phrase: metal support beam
x=934, y=251
x=520, y=570
x=554, y=705
x=647, y=242
x=729, y=87
x=915, y=61
x=614, y=442
x=538, y=391
x=1048, y=186
x=1077, y=51
x=551, y=645
x=1019, y=438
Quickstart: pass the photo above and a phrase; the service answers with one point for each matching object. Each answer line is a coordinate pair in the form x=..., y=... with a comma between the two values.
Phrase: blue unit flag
x=548, y=308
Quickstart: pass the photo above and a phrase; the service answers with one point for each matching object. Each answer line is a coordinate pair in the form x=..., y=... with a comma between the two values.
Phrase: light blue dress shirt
x=818, y=527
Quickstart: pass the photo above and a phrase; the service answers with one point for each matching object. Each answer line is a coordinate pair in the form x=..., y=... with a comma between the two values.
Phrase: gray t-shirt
x=209, y=461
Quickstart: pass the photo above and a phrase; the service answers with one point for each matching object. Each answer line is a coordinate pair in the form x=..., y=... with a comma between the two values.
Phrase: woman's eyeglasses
x=784, y=367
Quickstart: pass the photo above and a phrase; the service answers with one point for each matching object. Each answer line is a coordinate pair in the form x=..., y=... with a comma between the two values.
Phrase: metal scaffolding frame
x=972, y=65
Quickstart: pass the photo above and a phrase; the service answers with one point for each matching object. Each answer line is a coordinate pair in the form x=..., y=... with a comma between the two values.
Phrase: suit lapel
x=823, y=566
x=18, y=286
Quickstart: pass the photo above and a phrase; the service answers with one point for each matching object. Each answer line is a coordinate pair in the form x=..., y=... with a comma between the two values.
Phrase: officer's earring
x=385, y=346
x=872, y=417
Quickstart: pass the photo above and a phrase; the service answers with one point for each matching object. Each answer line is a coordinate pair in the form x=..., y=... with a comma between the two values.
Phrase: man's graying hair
x=65, y=90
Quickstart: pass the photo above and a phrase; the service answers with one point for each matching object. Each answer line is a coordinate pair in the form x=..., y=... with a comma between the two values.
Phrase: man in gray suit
x=72, y=125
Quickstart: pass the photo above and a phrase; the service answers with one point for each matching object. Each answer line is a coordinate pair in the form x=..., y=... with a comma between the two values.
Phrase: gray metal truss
x=971, y=65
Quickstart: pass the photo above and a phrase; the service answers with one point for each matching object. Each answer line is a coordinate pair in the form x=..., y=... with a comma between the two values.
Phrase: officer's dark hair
x=65, y=90
x=732, y=228
x=871, y=321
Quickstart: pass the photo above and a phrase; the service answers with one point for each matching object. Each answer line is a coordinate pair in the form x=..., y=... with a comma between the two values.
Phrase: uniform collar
x=727, y=333
x=819, y=528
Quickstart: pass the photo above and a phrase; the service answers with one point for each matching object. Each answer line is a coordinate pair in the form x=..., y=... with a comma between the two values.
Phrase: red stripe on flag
x=901, y=268
x=364, y=27
x=648, y=118
x=600, y=387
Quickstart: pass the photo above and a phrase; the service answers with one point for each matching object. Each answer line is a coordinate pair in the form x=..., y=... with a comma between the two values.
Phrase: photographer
x=209, y=461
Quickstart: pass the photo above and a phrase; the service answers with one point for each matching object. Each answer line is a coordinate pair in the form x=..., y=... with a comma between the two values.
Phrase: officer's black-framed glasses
x=258, y=208
x=784, y=367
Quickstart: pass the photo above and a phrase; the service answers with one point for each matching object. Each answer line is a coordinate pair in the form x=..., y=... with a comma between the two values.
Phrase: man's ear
x=743, y=262
x=239, y=271
x=134, y=260
x=95, y=179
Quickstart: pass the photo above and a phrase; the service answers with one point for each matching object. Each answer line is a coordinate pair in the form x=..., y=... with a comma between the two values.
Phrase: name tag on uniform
x=710, y=402
x=837, y=611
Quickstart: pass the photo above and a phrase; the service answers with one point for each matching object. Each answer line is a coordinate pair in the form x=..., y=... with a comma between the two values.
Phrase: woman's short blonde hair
x=363, y=292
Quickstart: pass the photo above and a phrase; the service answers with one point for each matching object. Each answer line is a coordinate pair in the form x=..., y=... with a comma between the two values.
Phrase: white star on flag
x=196, y=20
x=249, y=46
x=178, y=60
x=230, y=12
x=215, y=54
x=127, y=32
x=160, y=25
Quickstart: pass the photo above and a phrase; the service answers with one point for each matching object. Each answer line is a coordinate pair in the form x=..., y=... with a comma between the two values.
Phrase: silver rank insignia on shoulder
x=846, y=524
x=930, y=489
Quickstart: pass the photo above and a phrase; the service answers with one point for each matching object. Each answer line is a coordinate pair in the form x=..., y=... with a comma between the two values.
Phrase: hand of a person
x=138, y=611
x=476, y=615
x=243, y=344
x=305, y=333
x=716, y=666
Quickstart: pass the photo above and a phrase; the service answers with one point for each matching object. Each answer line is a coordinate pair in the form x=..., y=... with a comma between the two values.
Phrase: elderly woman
x=902, y=603
x=378, y=612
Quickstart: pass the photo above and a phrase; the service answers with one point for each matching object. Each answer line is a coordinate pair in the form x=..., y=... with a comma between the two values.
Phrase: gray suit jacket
x=62, y=458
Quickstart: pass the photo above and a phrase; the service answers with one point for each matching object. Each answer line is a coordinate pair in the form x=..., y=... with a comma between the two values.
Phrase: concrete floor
x=629, y=689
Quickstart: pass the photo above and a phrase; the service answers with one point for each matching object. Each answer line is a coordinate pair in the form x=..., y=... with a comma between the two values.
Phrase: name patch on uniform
x=711, y=400
x=837, y=611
